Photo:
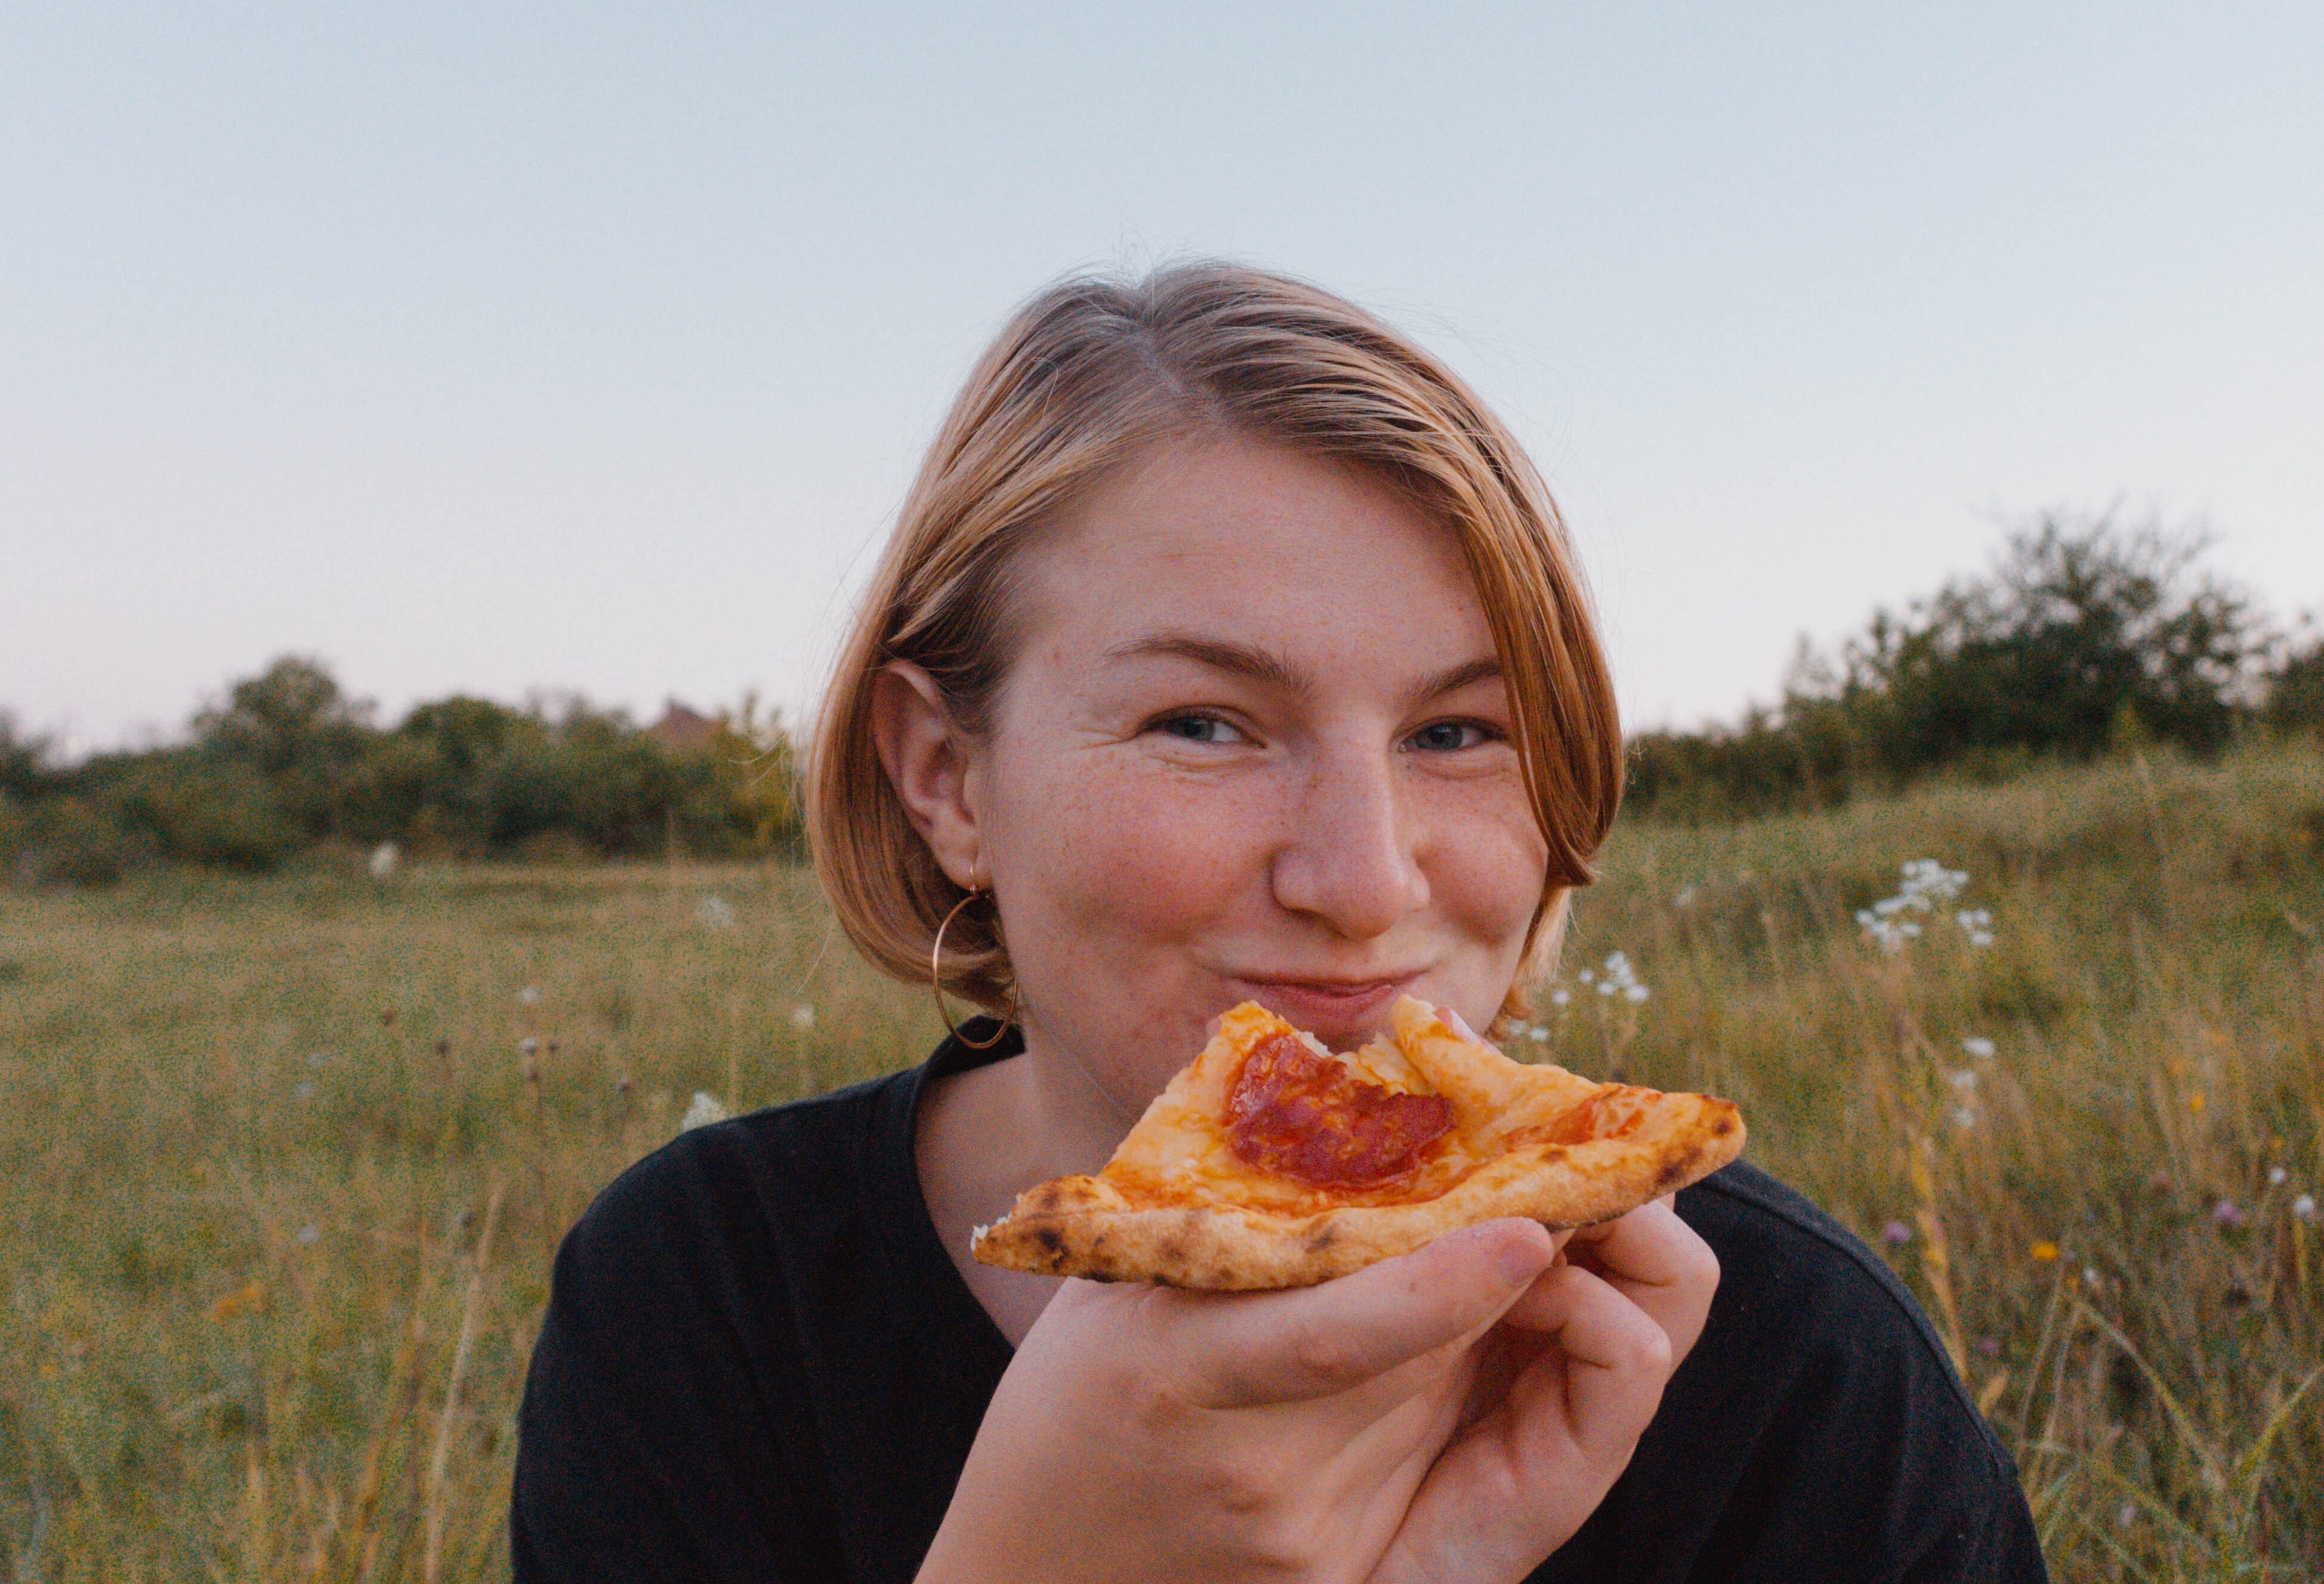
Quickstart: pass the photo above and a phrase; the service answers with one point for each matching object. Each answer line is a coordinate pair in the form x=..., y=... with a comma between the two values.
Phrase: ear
x=927, y=759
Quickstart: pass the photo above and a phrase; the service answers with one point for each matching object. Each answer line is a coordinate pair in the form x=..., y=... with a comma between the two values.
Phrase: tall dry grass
x=283, y=1174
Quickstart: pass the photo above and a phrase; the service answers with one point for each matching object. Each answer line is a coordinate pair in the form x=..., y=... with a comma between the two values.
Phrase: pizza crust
x=1175, y=1206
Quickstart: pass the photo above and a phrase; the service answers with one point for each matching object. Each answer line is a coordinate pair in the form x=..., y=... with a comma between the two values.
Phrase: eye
x=1198, y=728
x=1449, y=736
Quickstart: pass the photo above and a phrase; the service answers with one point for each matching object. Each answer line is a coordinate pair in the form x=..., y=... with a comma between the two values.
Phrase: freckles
x=1142, y=847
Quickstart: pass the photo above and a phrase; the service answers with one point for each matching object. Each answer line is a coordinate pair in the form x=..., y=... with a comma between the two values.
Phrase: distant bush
x=286, y=760
x=2295, y=692
x=2088, y=634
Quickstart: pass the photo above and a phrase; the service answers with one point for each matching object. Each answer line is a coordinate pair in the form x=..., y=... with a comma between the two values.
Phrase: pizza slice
x=1271, y=1162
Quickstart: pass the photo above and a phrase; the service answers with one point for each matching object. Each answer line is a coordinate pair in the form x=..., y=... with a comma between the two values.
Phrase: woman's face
x=1256, y=746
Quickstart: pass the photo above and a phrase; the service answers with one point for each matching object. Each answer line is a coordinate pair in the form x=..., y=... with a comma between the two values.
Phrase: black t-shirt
x=759, y=1363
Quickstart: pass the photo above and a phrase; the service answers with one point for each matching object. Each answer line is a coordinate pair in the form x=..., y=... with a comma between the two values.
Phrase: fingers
x=1611, y=1360
x=1241, y=1350
x=1658, y=1263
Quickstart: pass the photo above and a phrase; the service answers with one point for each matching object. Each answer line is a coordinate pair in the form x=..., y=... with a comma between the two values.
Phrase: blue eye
x=1447, y=736
x=1198, y=729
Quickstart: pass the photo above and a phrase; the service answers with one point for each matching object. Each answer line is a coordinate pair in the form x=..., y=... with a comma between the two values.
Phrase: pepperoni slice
x=1299, y=1115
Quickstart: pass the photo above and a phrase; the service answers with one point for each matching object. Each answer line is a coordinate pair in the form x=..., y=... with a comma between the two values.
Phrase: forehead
x=1257, y=544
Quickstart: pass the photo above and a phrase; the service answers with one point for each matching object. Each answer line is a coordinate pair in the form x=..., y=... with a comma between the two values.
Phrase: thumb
x=1315, y=1341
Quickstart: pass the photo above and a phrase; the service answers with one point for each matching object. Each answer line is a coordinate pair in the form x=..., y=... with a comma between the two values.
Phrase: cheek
x=1123, y=851
x=1487, y=863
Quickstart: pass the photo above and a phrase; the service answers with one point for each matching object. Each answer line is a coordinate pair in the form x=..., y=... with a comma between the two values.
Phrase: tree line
x=2088, y=634
x=288, y=763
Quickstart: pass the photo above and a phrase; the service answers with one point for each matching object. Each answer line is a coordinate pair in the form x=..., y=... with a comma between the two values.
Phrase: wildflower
x=1560, y=996
x=1980, y=1046
x=1977, y=923
x=705, y=1109
x=530, y=996
x=1684, y=899
x=310, y=1233
x=1895, y=1234
x=2304, y=1207
x=2275, y=1176
x=383, y=860
x=527, y=1045
x=2228, y=1213
x=306, y=1089
x=714, y=913
x=2195, y=1102
x=1964, y=1079
x=802, y=1018
x=1617, y=978
x=1963, y=1117
x=2044, y=1251
x=2091, y=1277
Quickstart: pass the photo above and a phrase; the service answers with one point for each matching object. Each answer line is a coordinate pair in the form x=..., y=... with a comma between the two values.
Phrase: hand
x=1142, y=1433
x=1570, y=1378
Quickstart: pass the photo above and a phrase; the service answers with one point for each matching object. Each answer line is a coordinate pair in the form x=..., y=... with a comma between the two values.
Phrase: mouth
x=1340, y=1011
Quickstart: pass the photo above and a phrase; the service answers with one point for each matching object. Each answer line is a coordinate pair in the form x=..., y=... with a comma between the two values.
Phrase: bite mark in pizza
x=1271, y=1161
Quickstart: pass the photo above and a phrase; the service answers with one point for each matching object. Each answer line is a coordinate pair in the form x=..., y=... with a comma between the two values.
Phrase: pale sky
x=590, y=347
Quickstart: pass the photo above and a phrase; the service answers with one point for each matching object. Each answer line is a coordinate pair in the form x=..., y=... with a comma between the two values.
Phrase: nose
x=1350, y=857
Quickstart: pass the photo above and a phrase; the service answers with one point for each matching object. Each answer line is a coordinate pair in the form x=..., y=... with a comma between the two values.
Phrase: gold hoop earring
x=935, y=977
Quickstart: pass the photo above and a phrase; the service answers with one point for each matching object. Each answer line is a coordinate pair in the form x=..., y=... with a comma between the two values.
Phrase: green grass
x=282, y=1180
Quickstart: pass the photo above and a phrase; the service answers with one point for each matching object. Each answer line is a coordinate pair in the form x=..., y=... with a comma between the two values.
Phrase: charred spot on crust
x=1322, y=1237
x=1722, y=1125
x=1052, y=1243
x=1673, y=1168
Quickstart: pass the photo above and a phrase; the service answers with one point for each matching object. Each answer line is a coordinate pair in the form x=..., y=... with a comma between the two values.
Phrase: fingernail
x=1521, y=1261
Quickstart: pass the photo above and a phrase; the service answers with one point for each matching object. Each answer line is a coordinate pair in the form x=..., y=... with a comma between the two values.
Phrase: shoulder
x=1809, y=1307
x=1787, y=1266
x=722, y=1194
x=1818, y=1428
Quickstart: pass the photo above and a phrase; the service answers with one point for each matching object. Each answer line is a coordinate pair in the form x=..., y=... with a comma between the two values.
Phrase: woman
x=1227, y=647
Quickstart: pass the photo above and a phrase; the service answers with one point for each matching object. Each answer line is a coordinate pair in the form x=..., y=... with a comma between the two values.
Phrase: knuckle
x=1324, y=1354
x=1649, y=1350
x=1244, y=1487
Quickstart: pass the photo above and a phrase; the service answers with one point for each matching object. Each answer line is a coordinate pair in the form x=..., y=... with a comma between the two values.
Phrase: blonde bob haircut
x=1084, y=378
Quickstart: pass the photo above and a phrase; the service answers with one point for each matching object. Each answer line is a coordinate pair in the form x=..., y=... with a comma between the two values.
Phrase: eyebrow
x=1271, y=669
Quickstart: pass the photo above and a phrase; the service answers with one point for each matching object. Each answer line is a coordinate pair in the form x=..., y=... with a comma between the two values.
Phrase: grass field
x=285, y=1159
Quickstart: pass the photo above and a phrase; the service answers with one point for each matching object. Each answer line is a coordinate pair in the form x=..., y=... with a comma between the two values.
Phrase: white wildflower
x=527, y=1045
x=714, y=913
x=2304, y=1207
x=802, y=1018
x=383, y=860
x=1964, y=1079
x=1617, y=978
x=310, y=1233
x=705, y=1109
x=530, y=996
x=1978, y=1046
x=1560, y=996
x=1684, y=898
x=1963, y=1117
x=2275, y=1176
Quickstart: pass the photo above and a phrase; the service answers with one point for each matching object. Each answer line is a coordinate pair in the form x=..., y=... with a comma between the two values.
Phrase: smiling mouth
x=1328, y=1006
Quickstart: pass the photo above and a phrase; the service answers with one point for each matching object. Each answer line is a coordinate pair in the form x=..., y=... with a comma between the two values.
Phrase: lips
x=1343, y=1012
